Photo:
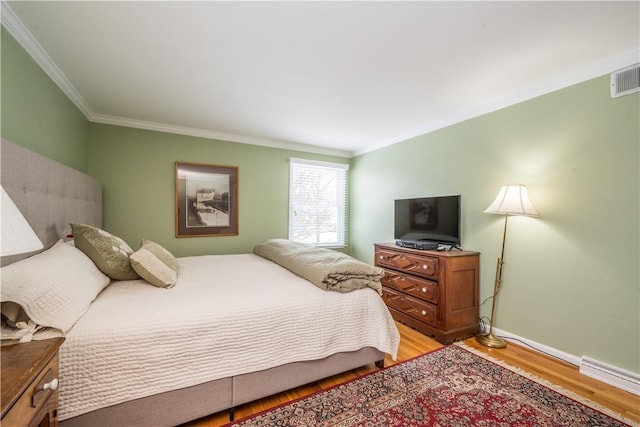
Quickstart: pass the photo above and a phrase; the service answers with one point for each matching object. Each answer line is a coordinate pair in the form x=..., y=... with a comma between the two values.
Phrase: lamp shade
x=17, y=235
x=512, y=200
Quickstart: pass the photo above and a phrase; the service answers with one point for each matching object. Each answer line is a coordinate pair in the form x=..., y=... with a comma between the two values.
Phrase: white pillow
x=54, y=288
x=155, y=264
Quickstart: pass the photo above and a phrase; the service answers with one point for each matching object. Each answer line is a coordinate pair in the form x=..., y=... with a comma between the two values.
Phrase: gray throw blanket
x=325, y=268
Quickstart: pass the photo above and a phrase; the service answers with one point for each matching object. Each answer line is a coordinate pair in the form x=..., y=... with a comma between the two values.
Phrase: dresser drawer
x=419, y=265
x=34, y=403
x=415, y=286
x=414, y=307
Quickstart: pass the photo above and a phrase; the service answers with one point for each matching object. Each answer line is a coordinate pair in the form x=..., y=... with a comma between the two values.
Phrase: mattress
x=227, y=315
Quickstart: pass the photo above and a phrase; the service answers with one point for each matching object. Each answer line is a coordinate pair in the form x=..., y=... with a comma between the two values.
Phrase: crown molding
x=16, y=28
x=587, y=73
x=220, y=136
x=22, y=35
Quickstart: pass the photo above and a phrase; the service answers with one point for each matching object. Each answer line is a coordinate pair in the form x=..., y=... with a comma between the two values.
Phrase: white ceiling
x=341, y=77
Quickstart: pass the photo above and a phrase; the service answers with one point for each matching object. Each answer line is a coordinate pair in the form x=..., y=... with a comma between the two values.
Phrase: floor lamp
x=511, y=200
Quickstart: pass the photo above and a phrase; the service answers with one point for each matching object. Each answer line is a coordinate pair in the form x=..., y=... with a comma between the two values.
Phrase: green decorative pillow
x=108, y=252
x=155, y=264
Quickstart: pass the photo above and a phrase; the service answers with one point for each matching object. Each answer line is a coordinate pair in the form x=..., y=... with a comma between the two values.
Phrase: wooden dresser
x=30, y=383
x=434, y=292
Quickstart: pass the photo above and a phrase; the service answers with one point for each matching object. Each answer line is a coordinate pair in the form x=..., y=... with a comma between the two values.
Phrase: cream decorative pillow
x=53, y=288
x=155, y=264
x=109, y=253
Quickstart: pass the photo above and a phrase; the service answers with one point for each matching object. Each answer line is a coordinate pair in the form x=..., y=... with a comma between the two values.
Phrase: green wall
x=35, y=113
x=571, y=277
x=137, y=171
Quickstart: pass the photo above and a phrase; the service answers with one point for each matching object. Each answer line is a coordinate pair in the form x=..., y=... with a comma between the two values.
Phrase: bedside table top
x=20, y=364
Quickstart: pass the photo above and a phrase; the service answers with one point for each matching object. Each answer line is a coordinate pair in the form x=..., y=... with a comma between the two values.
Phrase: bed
x=230, y=330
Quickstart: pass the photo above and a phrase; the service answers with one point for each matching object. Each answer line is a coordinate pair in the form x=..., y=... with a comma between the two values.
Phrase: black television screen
x=435, y=219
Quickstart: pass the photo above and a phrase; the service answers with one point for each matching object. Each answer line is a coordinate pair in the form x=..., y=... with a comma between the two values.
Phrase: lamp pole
x=489, y=339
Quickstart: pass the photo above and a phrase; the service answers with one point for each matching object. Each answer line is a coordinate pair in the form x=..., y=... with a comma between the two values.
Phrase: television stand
x=434, y=292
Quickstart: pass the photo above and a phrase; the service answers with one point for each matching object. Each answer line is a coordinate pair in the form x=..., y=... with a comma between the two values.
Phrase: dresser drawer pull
x=424, y=290
x=425, y=267
x=424, y=312
x=51, y=385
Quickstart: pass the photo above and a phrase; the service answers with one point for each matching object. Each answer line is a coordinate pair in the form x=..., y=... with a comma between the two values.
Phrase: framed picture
x=423, y=214
x=206, y=200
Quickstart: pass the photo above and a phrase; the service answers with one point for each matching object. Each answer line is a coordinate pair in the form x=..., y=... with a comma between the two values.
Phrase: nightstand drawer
x=419, y=288
x=29, y=383
x=420, y=265
x=414, y=307
x=34, y=403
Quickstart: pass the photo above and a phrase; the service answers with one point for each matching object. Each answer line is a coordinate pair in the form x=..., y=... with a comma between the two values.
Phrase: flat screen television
x=434, y=219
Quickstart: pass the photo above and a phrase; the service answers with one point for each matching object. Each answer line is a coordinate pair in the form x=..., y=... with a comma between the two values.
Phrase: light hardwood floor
x=413, y=343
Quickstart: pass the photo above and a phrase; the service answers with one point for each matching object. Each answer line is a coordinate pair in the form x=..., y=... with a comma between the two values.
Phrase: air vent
x=625, y=81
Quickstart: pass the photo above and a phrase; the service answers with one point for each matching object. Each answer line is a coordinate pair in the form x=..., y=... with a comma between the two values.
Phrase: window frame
x=341, y=200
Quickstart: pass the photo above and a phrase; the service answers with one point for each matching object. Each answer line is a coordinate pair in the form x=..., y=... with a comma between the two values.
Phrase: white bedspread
x=227, y=315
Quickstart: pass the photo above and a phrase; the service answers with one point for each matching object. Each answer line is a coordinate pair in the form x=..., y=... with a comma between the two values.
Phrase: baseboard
x=567, y=357
x=609, y=374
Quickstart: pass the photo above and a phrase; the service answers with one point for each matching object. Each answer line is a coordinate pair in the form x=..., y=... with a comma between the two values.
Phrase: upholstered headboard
x=49, y=194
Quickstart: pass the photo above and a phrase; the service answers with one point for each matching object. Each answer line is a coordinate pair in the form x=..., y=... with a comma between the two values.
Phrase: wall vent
x=625, y=81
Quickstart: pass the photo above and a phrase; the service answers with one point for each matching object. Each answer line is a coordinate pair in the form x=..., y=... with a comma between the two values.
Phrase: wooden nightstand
x=29, y=379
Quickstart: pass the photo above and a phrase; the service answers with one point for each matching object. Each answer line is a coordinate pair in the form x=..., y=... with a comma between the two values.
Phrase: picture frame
x=206, y=200
x=423, y=214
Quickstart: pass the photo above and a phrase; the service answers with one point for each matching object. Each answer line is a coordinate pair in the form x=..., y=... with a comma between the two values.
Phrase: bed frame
x=50, y=195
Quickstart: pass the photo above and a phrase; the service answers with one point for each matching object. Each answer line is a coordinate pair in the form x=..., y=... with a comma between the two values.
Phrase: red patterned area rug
x=451, y=386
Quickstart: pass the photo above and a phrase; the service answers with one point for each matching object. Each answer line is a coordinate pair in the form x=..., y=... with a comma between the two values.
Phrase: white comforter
x=227, y=315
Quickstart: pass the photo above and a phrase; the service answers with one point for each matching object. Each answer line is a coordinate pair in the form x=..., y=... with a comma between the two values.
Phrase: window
x=317, y=202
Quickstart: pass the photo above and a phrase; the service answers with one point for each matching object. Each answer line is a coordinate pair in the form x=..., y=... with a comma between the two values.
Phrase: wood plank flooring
x=413, y=344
